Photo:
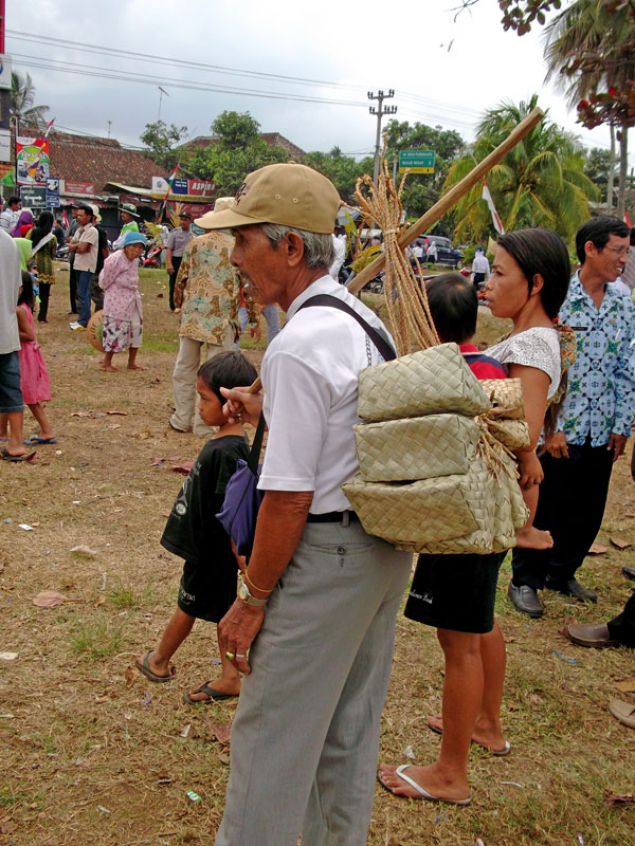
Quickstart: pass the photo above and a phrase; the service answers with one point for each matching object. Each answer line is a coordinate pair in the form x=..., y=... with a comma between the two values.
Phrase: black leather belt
x=333, y=517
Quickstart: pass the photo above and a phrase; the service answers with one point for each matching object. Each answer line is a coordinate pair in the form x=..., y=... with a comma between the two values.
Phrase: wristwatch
x=246, y=595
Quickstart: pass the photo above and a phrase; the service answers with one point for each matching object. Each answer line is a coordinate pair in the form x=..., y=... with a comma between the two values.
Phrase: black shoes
x=572, y=587
x=526, y=600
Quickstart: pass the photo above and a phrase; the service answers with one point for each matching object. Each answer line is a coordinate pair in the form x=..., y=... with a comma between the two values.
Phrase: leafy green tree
x=591, y=47
x=343, y=171
x=160, y=142
x=597, y=166
x=23, y=99
x=423, y=190
x=236, y=150
x=541, y=182
x=236, y=131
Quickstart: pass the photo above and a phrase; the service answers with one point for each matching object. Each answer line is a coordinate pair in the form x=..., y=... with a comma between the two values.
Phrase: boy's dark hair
x=26, y=295
x=541, y=251
x=454, y=307
x=227, y=370
x=599, y=230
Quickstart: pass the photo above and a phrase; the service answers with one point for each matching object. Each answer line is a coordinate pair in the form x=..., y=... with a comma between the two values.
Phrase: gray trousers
x=305, y=737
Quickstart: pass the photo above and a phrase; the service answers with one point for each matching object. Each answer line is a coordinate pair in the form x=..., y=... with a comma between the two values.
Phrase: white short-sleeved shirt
x=310, y=376
x=538, y=347
x=10, y=281
x=88, y=260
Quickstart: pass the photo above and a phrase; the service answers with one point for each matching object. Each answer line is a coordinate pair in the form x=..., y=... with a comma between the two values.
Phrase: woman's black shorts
x=455, y=592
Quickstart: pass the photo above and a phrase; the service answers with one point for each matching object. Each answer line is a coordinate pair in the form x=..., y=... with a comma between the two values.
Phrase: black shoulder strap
x=256, y=446
x=382, y=344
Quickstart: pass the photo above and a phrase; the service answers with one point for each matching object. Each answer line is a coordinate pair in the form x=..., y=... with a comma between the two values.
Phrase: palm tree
x=541, y=182
x=22, y=100
x=591, y=49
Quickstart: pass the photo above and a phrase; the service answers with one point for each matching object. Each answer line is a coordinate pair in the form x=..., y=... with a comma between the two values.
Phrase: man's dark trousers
x=570, y=506
x=622, y=627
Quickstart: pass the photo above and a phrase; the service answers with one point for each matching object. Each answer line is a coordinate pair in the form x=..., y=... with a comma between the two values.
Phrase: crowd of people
x=306, y=623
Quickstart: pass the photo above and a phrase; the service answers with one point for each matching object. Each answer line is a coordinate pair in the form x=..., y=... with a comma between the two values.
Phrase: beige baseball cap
x=287, y=194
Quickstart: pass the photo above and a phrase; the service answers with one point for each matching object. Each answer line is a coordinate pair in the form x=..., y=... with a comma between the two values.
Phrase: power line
x=168, y=60
x=148, y=79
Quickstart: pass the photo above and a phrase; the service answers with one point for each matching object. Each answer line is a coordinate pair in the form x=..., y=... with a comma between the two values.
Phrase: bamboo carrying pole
x=451, y=198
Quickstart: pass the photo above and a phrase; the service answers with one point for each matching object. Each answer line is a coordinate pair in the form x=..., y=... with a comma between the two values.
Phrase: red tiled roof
x=81, y=158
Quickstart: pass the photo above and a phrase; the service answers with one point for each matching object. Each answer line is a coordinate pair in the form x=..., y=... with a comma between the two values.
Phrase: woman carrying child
x=456, y=593
x=208, y=583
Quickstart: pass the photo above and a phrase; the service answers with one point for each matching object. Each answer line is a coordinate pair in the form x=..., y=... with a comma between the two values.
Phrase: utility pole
x=380, y=112
x=162, y=91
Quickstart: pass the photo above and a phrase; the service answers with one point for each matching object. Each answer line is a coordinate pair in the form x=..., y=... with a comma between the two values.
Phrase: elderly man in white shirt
x=318, y=601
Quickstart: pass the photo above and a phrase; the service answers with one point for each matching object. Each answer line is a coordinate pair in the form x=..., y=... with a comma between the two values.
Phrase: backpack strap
x=380, y=341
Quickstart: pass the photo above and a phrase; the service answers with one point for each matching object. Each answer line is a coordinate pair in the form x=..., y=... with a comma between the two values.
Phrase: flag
x=498, y=223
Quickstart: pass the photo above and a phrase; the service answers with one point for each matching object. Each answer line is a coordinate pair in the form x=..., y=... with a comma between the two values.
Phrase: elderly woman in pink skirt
x=123, y=317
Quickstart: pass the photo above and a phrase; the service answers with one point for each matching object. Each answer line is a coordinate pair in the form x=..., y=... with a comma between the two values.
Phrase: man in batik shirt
x=593, y=424
x=207, y=291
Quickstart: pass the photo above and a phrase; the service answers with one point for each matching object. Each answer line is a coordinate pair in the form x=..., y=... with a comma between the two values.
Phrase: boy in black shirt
x=208, y=583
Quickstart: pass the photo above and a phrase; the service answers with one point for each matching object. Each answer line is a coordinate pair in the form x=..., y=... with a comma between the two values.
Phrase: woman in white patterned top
x=529, y=281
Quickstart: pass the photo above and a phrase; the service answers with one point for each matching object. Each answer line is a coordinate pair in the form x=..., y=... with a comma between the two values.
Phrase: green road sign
x=416, y=161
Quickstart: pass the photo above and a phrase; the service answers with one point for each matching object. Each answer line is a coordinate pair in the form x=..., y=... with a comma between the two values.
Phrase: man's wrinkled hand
x=238, y=630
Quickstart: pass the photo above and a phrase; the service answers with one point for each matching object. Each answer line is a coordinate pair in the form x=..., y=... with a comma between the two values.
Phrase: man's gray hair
x=318, y=248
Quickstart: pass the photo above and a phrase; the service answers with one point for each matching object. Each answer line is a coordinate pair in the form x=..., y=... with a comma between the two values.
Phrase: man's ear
x=295, y=249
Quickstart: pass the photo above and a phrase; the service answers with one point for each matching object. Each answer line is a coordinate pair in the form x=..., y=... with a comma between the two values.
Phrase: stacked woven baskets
x=436, y=471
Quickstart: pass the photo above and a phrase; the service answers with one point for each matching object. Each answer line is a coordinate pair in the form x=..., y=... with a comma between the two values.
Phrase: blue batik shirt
x=600, y=396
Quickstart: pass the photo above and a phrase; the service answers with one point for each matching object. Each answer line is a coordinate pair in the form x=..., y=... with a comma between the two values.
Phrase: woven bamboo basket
x=95, y=331
x=416, y=448
x=428, y=381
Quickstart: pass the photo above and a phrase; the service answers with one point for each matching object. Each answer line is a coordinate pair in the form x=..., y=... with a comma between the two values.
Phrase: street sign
x=52, y=193
x=33, y=196
x=417, y=161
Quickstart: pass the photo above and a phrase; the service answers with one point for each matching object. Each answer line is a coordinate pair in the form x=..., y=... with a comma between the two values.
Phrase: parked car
x=446, y=253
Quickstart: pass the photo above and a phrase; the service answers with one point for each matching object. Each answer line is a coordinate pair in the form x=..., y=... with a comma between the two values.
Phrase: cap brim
x=227, y=219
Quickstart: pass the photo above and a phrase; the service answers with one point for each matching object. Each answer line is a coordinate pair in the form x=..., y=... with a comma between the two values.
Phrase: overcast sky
x=443, y=72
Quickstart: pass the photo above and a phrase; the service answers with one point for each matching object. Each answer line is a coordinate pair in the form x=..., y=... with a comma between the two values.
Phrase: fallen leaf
x=620, y=543
x=598, y=549
x=626, y=686
x=113, y=412
x=49, y=599
x=84, y=551
x=184, y=468
x=8, y=656
x=221, y=732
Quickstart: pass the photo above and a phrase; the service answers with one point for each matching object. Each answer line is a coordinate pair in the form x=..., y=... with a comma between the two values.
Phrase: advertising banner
x=32, y=159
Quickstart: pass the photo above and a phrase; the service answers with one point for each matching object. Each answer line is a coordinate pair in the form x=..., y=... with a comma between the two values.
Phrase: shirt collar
x=578, y=292
x=324, y=285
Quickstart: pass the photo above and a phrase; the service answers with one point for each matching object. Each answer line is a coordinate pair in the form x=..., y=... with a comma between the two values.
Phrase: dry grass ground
x=95, y=754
